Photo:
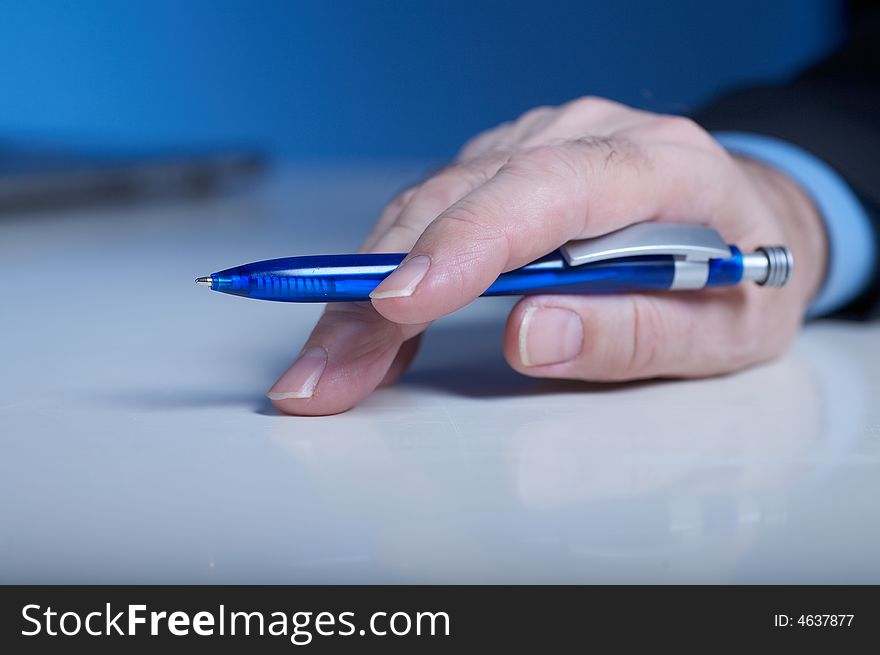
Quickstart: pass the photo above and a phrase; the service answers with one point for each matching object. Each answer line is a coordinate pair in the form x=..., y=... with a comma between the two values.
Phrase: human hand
x=523, y=189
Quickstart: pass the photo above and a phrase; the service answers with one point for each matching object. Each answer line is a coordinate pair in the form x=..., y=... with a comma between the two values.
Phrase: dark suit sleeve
x=831, y=110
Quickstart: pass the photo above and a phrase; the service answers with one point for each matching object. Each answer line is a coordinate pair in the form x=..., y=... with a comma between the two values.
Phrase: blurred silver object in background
x=34, y=178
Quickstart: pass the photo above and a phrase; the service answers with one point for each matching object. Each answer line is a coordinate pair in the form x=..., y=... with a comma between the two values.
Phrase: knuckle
x=403, y=232
x=453, y=183
x=401, y=199
x=554, y=160
x=472, y=148
x=677, y=125
x=592, y=105
x=592, y=114
x=445, y=188
x=478, y=172
x=682, y=129
x=534, y=114
x=482, y=142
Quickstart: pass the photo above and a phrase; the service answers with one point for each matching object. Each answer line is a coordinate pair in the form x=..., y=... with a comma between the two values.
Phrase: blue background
x=350, y=79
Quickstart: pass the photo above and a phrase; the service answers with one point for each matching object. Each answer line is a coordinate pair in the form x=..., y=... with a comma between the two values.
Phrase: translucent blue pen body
x=334, y=278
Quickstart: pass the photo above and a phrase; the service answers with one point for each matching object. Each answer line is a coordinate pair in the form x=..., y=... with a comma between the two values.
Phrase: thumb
x=612, y=338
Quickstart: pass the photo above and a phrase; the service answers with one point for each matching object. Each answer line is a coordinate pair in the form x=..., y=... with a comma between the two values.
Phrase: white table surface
x=136, y=444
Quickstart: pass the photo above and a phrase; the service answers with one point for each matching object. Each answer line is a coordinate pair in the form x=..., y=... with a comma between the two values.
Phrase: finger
x=508, y=135
x=608, y=338
x=483, y=143
x=402, y=361
x=589, y=117
x=352, y=349
x=398, y=228
x=435, y=196
x=347, y=355
x=536, y=202
x=332, y=373
x=386, y=218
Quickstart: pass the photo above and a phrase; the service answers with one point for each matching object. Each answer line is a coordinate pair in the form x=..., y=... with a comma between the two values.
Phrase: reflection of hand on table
x=584, y=486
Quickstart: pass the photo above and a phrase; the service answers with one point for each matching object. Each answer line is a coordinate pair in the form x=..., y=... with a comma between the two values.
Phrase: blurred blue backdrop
x=354, y=79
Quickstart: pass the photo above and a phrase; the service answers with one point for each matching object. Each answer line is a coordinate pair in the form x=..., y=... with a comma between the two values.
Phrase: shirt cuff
x=851, y=246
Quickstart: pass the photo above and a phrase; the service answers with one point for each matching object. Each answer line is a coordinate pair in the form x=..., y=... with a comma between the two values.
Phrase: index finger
x=540, y=199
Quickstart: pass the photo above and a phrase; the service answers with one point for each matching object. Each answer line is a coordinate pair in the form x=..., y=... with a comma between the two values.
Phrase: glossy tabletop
x=136, y=443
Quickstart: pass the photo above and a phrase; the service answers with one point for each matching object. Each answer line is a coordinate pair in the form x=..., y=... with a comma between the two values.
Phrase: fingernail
x=549, y=335
x=301, y=379
x=404, y=280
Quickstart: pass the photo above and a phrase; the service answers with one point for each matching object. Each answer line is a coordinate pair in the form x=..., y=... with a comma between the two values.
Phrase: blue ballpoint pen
x=642, y=257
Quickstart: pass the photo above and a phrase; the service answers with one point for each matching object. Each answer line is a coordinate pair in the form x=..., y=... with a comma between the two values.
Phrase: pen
x=642, y=257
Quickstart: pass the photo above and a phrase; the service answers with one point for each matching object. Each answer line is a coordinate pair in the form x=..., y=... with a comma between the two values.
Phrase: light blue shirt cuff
x=851, y=246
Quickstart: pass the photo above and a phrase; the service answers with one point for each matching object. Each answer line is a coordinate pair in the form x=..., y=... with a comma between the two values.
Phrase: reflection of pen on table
x=642, y=257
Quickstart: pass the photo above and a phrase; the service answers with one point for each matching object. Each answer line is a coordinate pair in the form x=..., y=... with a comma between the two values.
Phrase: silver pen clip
x=690, y=242
x=692, y=246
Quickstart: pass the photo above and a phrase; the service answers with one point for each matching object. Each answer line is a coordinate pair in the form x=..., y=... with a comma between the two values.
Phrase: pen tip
x=206, y=281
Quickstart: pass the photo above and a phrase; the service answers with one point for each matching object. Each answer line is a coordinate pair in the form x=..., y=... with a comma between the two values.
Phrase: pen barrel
x=552, y=275
x=318, y=278
x=335, y=278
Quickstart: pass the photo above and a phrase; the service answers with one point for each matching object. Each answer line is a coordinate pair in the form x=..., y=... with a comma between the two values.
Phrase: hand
x=521, y=190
